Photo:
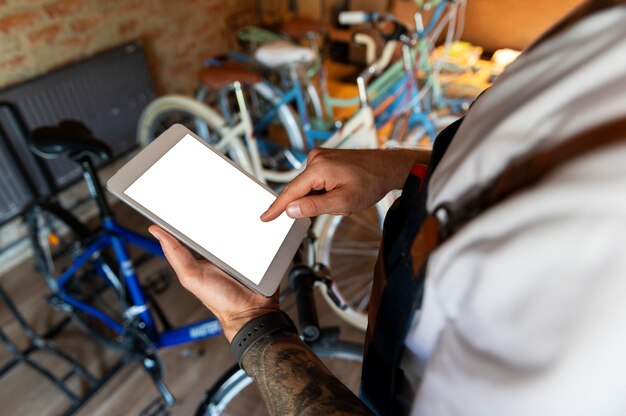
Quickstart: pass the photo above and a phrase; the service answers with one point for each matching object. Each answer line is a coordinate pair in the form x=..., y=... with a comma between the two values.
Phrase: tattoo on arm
x=293, y=381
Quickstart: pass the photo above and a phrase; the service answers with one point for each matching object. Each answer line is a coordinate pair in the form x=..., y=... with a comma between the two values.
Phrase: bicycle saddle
x=216, y=77
x=281, y=53
x=68, y=137
x=299, y=28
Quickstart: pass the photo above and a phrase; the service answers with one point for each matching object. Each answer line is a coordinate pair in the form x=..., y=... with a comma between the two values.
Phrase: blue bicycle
x=399, y=99
x=91, y=273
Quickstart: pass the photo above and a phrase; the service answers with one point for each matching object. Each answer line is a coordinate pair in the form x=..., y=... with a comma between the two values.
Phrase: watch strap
x=259, y=328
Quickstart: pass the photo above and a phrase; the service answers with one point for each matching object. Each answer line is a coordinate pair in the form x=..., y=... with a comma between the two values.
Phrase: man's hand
x=233, y=304
x=339, y=181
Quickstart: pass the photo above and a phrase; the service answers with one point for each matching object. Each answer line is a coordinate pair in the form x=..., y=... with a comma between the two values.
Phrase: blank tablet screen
x=204, y=197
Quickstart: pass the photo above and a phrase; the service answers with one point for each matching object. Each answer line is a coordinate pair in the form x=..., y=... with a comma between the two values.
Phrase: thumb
x=179, y=256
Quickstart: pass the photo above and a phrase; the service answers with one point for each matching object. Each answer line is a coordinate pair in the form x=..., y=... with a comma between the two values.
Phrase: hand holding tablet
x=212, y=206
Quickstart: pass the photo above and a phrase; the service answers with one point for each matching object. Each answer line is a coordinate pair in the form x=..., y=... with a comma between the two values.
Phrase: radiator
x=107, y=92
x=15, y=194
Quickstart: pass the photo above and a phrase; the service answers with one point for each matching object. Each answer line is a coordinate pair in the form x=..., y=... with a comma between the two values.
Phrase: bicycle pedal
x=191, y=353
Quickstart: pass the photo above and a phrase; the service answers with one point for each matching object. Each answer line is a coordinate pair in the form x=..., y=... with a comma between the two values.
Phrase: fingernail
x=154, y=235
x=294, y=211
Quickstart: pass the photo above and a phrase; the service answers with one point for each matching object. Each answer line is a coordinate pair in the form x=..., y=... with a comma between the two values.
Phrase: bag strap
x=521, y=174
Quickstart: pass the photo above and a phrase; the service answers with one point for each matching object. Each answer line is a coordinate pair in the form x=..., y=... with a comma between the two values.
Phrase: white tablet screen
x=211, y=202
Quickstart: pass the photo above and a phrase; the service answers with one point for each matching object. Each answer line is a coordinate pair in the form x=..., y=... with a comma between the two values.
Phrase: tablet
x=206, y=201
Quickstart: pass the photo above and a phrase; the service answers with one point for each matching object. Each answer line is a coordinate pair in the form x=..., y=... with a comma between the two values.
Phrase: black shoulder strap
x=519, y=175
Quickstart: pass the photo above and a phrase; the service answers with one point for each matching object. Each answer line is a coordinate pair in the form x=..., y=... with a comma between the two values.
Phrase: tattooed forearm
x=293, y=381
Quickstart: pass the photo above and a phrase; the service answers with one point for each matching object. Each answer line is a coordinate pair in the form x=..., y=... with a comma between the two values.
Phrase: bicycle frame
x=394, y=92
x=117, y=237
x=357, y=133
x=392, y=95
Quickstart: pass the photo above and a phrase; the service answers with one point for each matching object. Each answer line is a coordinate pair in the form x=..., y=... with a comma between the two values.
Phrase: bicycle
x=90, y=274
x=395, y=91
x=236, y=389
x=270, y=101
x=353, y=261
x=417, y=109
x=290, y=34
x=240, y=143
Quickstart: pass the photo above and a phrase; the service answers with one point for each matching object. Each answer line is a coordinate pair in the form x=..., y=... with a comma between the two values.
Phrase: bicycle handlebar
x=374, y=69
x=354, y=18
x=370, y=46
x=385, y=57
x=390, y=28
x=385, y=23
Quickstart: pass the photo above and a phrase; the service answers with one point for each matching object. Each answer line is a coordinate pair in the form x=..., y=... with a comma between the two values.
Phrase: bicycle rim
x=349, y=245
x=57, y=237
x=261, y=98
x=235, y=394
x=286, y=120
x=312, y=99
x=168, y=110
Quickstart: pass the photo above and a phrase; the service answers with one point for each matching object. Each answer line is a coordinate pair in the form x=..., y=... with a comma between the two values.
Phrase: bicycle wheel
x=235, y=394
x=348, y=246
x=165, y=111
x=261, y=98
x=57, y=237
x=279, y=138
x=265, y=98
x=312, y=99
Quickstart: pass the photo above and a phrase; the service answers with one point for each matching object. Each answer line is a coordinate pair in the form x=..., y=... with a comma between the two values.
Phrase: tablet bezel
x=147, y=157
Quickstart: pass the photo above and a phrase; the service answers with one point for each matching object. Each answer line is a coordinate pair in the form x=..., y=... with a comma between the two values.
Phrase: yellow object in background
x=462, y=73
x=53, y=240
x=457, y=56
x=503, y=57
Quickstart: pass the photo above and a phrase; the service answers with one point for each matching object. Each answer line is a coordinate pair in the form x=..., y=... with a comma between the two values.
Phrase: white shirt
x=524, y=311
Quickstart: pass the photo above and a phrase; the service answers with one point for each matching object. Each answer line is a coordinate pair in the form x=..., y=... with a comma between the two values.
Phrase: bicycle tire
x=285, y=115
x=235, y=383
x=348, y=246
x=167, y=110
x=56, y=236
x=313, y=100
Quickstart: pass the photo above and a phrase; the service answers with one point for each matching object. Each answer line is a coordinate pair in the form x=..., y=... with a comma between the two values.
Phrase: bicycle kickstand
x=153, y=368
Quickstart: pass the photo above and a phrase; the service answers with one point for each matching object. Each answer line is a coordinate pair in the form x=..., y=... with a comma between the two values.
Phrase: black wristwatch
x=259, y=328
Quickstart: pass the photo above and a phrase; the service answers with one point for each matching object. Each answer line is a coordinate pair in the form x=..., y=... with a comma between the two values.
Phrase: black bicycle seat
x=68, y=137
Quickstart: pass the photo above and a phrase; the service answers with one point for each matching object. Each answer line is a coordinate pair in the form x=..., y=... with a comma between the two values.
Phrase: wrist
x=233, y=324
x=398, y=164
x=258, y=329
x=409, y=159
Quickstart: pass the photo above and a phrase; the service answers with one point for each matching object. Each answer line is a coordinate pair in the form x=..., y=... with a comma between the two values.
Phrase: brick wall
x=39, y=35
